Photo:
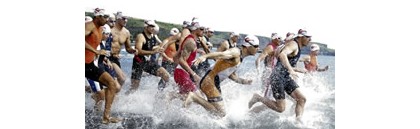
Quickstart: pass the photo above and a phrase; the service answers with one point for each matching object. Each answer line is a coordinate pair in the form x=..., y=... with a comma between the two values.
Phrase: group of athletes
x=185, y=56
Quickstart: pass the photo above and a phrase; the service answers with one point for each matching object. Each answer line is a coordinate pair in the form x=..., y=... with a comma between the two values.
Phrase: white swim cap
x=251, y=40
x=99, y=12
x=303, y=32
x=314, y=47
x=186, y=24
x=275, y=36
x=209, y=29
x=234, y=34
x=156, y=28
x=106, y=29
x=195, y=25
x=88, y=19
x=119, y=15
x=149, y=23
x=174, y=31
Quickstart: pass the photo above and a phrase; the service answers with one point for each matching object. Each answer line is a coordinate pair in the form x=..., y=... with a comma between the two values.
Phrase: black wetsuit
x=230, y=45
x=201, y=68
x=281, y=81
x=141, y=63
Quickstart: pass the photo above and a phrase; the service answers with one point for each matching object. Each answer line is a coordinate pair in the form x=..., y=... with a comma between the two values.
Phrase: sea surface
x=149, y=109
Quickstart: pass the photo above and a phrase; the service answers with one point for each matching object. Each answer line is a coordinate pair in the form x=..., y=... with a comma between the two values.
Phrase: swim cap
x=251, y=40
x=174, y=31
x=303, y=32
x=314, y=47
x=106, y=29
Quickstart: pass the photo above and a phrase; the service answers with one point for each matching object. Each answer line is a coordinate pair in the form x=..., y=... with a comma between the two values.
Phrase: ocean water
x=148, y=108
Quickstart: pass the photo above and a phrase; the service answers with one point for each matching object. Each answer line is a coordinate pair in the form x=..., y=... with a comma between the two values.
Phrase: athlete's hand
x=157, y=49
x=248, y=81
x=201, y=51
x=196, y=78
x=294, y=75
x=101, y=52
x=326, y=68
x=301, y=70
x=170, y=60
x=199, y=60
x=132, y=51
x=110, y=66
x=137, y=52
x=117, y=56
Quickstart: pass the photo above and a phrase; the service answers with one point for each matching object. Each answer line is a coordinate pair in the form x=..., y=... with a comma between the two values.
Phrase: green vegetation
x=135, y=26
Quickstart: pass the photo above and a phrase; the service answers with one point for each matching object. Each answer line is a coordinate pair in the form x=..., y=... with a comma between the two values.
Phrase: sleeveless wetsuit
x=145, y=62
x=230, y=45
x=281, y=81
x=201, y=68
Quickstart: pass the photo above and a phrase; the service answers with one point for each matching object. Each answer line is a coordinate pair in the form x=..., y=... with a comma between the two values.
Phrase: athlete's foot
x=129, y=91
x=98, y=106
x=111, y=120
x=299, y=120
x=188, y=100
x=253, y=100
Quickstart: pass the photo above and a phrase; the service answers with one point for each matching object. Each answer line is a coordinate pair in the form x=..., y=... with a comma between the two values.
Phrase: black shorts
x=170, y=67
x=147, y=66
x=281, y=82
x=115, y=60
x=92, y=72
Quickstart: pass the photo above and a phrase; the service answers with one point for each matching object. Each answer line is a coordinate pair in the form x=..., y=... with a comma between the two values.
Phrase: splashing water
x=148, y=108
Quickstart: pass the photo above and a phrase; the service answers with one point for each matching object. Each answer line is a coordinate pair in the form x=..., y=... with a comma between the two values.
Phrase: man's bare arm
x=188, y=47
x=228, y=54
x=184, y=34
x=321, y=69
x=264, y=54
x=204, y=45
x=127, y=43
x=223, y=46
x=239, y=80
x=159, y=42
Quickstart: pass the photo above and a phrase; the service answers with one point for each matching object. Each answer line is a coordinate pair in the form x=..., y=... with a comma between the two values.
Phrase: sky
x=260, y=17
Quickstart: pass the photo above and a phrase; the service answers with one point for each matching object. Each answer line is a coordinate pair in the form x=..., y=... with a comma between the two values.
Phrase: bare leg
x=161, y=72
x=106, y=79
x=87, y=89
x=279, y=105
x=135, y=84
x=120, y=74
x=98, y=97
x=258, y=109
x=301, y=100
x=217, y=107
x=117, y=84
